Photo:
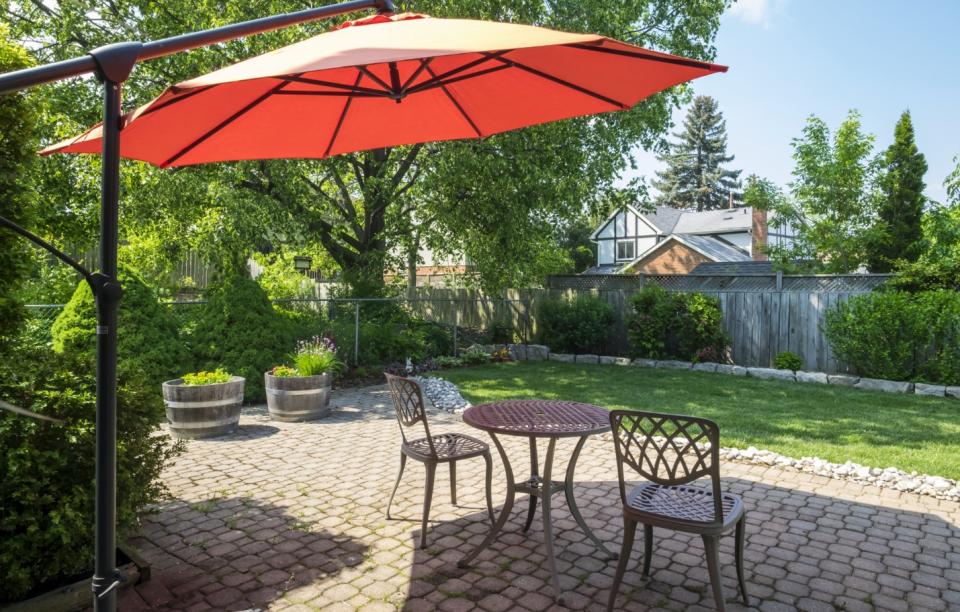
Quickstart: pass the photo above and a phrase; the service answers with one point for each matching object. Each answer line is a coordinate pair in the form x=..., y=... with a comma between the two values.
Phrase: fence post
x=356, y=332
x=456, y=326
x=779, y=280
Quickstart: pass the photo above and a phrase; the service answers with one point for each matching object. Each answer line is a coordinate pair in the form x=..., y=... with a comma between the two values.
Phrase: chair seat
x=690, y=507
x=449, y=447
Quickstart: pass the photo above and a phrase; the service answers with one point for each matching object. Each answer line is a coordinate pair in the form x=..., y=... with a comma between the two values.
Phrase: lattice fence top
x=839, y=283
x=538, y=418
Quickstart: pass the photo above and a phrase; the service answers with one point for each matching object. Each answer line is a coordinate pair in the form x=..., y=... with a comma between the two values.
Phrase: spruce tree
x=900, y=212
x=695, y=176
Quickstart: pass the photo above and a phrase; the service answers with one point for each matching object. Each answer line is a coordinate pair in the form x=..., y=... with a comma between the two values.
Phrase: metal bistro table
x=539, y=419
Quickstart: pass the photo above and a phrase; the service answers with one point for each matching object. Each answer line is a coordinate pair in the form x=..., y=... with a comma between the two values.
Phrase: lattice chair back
x=668, y=450
x=408, y=405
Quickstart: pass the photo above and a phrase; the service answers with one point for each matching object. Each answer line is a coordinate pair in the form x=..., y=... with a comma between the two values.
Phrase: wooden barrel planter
x=203, y=411
x=298, y=398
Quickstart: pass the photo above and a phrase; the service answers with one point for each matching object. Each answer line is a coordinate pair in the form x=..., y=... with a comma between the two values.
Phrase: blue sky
x=792, y=58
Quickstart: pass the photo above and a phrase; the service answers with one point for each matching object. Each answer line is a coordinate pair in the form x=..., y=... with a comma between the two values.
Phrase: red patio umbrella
x=391, y=80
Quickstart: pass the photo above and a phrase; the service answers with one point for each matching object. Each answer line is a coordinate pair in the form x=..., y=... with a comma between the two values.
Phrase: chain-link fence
x=467, y=320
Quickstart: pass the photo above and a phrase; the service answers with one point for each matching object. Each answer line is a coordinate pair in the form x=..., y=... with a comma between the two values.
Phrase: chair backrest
x=408, y=405
x=667, y=449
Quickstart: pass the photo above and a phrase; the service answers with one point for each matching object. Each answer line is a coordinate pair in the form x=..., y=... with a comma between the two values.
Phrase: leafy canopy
x=494, y=200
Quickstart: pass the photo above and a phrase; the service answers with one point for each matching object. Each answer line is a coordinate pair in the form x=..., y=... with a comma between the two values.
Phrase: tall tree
x=696, y=176
x=491, y=199
x=832, y=200
x=17, y=142
x=899, y=231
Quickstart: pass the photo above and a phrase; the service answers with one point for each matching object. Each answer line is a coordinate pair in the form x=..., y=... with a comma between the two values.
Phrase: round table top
x=538, y=418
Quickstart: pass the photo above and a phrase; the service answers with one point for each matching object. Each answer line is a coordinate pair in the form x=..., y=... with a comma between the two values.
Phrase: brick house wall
x=676, y=259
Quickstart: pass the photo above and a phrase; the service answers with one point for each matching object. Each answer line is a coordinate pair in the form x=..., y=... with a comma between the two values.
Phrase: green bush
x=580, y=325
x=148, y=338
x=474, y=356
x=675, y=325
x=47, y=497
x=898, y=335
x=390, y=335
x=787, y=360
x=238, y=329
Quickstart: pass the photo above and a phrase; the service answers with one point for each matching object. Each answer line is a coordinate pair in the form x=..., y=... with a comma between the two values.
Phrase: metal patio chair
x=671, y=452
x=431, y=450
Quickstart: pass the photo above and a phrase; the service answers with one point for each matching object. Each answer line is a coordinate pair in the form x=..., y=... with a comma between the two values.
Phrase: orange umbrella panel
x=387, y=81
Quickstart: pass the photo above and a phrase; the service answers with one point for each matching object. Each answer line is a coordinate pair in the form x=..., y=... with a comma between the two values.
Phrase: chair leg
x=711, y=545
x=489, y=486
x=629, y=532
x=403, y=463
x=647, y=549
x=427, y=498
x=453, y=483
x=741, y=535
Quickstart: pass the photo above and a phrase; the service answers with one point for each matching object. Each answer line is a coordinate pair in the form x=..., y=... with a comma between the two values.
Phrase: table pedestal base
x=544, y=489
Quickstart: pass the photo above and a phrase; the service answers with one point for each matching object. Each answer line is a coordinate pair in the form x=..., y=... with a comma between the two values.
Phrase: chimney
x=758, y=233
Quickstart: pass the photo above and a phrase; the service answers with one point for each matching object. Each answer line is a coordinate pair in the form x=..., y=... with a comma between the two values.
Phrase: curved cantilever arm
x=37, y=240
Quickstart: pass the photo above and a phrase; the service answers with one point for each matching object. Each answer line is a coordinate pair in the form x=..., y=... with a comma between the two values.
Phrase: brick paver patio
x=290, y=516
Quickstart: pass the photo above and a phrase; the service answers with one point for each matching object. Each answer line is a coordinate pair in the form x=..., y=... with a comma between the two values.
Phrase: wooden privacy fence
x=760, y=323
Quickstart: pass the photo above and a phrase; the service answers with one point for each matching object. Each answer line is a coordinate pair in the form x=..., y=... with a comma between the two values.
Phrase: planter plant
x=302, y=392
x=203, y=404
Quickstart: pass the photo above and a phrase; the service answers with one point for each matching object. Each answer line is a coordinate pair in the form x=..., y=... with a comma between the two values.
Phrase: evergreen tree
x=900, y=213
x=695, y=176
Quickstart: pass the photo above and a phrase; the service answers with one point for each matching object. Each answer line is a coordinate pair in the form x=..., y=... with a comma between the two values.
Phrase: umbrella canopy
x=391, y=80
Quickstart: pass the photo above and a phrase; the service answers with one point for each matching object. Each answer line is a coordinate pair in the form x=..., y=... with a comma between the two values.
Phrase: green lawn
x=834, y=423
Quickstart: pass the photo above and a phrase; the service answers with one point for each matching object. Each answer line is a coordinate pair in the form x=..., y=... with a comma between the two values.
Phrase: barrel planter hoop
x=298, y=398
x=203, y=411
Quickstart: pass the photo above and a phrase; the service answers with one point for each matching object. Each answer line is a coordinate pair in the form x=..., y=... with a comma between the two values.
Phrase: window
x=625, y=249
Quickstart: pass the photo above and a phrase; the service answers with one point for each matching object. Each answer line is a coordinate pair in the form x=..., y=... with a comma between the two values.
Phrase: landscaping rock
x=811, y=377
x=675, y=365
x=934, y=390
x=842, y=380
x=644, y=363
x=888, y=386
x=587, y=359
x=537, y=352
x=705, y=367
x=443, y=394
x=953, y=392
x=771, y=374
x=605, y=359
x=732, y=370
x=561, y=357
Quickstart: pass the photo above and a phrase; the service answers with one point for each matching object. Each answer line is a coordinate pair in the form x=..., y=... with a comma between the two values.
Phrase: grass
x=795, y=419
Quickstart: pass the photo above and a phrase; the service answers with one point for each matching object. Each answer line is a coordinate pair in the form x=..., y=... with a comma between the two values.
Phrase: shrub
x=47, y=497
x=475, y=356
x=500, y=333
x=282, y=371
x=787, y=360
x=580, y=325
x=148, y=338
x=390, y=335
x=445, y=362
x=899, y=336
x=684, y=326
x=206, y=378
x=239, y=330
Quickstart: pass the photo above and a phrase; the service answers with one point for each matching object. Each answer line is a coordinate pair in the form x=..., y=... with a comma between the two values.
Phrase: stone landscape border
x=539, y=352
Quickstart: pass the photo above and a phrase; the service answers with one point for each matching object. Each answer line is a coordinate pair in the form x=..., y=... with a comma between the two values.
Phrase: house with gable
x=675, y=241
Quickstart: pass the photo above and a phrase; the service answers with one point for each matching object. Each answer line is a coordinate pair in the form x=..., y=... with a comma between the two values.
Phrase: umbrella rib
x=225, y=123
x=172, y=101
x=679, y=61
x=364, y=71
x=416, y=73
x=332, y=94
x=347, y=88
x=454, y=101
x=343, y=114
x=432, y=82
x=559, y=81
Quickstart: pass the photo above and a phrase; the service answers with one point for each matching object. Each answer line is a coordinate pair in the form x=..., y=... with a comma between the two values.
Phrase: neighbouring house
x=675, y=241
